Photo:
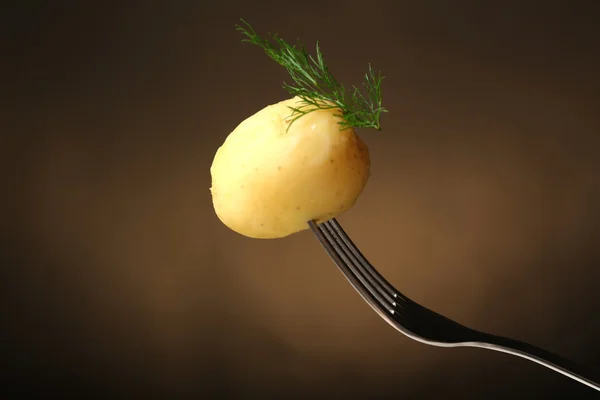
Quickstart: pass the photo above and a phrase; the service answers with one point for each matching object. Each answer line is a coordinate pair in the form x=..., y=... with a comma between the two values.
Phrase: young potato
x=268, y=182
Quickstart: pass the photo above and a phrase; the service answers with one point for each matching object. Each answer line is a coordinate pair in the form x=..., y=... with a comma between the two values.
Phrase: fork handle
x=586, y=375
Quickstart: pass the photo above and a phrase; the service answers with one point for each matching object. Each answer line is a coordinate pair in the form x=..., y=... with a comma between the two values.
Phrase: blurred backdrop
x=120, y=282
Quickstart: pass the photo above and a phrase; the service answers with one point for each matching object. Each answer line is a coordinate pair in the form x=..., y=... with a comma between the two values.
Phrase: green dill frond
x=315, y=85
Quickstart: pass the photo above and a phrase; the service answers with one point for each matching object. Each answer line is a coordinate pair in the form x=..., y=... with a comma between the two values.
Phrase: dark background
x=120, y=282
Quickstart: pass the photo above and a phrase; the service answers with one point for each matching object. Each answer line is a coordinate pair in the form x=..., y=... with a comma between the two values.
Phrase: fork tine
x=345, y=257
x=368, y=290
x=357, y=266
x=343, y=262
x=364, y=262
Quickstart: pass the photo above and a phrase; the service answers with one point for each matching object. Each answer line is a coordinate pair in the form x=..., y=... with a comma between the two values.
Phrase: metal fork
x=422, y=324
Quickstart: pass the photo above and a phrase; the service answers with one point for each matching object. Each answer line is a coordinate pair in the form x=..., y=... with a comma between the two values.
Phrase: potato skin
x=268, y=183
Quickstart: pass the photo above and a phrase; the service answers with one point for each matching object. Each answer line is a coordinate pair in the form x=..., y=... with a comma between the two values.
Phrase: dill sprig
x=316, y=86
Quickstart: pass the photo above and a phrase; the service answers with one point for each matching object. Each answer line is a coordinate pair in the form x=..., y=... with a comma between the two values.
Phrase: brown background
x=120, y=282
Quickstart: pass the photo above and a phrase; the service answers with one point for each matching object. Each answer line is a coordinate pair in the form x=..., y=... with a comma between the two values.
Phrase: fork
x=420, y=323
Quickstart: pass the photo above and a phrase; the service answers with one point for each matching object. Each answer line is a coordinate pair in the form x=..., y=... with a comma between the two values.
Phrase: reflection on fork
x=422, y=324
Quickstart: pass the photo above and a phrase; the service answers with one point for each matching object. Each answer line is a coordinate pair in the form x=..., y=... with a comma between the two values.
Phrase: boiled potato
x=268, y=181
